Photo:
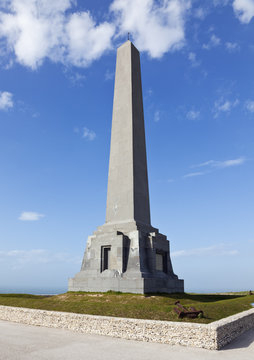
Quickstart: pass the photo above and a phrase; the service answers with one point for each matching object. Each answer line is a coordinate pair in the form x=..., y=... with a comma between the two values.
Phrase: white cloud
x=244, y=10
x=249, y=105
x=222, y=164
x=76, y=78
x=109, y=75
x=214, y=250
x=149, y=92
x=193, y=59
x=213, y=165
x=34, y=30
x=157, y=116
x=213, y=42
x=156, y=27
x=6, y=101
x=85, y=133
x=231, y=47
x=224, y=106
x=193, y=115
x=230, y=163
x=18, y=259
x=200, y=13
x=194, y=174
x=220, y=2
x=88, y=134
x=86, y=41
x=30, y=216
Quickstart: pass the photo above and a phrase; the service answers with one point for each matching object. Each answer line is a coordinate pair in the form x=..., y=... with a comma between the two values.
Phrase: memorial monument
x=126, y=253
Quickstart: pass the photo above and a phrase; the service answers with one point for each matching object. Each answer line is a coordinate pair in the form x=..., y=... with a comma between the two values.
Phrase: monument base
x=135, y=258
x=124, y=284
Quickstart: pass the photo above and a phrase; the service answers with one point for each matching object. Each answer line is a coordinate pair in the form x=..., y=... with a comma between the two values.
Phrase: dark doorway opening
x=105, y=257
x=161, y=261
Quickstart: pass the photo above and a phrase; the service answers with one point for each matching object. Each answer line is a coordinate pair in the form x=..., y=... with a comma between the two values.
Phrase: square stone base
x=138, y=262
x=136, y=285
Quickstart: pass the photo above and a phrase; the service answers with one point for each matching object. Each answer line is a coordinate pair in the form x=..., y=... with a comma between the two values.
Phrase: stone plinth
x=132, y=263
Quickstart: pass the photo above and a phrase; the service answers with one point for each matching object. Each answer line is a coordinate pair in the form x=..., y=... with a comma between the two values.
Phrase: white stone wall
x=210, y=336
x=230, y=328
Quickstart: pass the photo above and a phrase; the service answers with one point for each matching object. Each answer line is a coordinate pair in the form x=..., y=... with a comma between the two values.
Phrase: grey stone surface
x=26, y=342
x=128, y=195
x=126, y=253
x=211, y=336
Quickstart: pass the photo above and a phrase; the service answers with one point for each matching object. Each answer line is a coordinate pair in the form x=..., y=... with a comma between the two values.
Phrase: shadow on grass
x=197, y=297
x=193, y=297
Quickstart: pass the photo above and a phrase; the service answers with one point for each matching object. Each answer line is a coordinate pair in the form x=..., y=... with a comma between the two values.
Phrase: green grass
x=153, y=306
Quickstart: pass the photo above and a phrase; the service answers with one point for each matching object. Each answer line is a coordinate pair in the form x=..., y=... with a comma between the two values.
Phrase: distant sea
x=61, y=290
x=33, y=290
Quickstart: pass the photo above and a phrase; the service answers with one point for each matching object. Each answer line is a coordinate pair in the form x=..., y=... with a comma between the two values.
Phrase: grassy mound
x=152, y=306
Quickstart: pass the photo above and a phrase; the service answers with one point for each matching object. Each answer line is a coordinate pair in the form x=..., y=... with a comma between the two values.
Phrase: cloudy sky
x=57, y=62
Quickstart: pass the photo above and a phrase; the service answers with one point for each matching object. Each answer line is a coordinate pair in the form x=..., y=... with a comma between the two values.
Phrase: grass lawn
x=157, y=307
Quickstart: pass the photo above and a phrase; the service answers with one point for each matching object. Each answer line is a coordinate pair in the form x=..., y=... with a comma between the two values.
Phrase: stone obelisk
x=126, y=253
x=128, y=195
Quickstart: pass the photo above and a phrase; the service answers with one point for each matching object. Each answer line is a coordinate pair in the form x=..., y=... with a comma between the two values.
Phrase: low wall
x=209, y=336
x=230, y=328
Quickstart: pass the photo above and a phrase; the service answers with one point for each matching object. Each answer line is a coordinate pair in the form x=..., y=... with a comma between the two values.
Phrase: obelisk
x=128, y=195
x=126, y=253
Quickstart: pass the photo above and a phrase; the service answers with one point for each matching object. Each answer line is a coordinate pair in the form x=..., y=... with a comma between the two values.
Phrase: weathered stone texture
x=212, y=336
x=231, y=327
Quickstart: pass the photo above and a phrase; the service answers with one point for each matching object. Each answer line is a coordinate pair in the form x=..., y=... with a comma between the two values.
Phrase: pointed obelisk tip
x=126, y=43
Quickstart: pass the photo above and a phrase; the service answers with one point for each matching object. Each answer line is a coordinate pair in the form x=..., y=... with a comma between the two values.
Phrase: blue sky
x=57, y=62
